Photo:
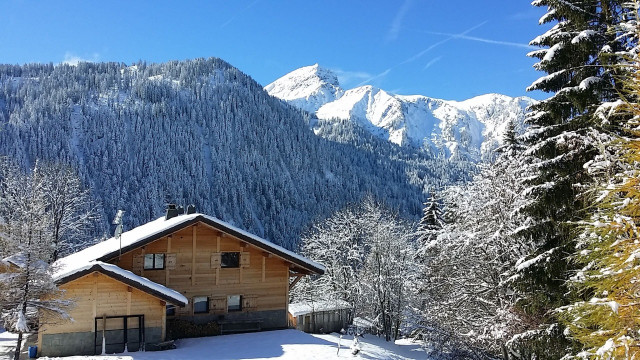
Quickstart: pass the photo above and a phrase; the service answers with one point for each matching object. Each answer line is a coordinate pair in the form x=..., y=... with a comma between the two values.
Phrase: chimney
x=171, y=211
x=191, y=209
x=180, y=210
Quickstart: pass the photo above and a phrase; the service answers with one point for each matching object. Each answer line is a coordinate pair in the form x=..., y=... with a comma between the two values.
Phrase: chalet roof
x=70, y=273
x=307, y=307
x=154, y=230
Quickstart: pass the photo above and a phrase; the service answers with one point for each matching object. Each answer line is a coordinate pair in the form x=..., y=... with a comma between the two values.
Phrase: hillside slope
x=200, y=132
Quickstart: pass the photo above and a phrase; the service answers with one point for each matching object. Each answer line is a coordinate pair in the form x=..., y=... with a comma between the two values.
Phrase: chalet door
x=117, y=334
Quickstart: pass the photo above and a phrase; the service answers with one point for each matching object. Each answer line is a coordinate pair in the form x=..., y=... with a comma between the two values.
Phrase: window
x=171, y=310
x=200, y=304
x=234, y=303
x=230, y=259
x=153, y=261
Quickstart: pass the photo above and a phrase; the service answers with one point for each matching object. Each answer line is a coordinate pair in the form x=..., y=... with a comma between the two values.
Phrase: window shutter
x=137, y=264
x=171, y=260
x=218, y=304
x=244, y=259
x=248, y=303
x=215, y=260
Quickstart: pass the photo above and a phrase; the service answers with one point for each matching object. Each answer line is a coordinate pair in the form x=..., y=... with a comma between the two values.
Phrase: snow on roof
x=157, y=228
x=20, y=260
x=302, y=308
x=70, y=272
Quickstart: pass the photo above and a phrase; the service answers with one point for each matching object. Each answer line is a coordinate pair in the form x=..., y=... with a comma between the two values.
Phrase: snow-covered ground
x=280, y=344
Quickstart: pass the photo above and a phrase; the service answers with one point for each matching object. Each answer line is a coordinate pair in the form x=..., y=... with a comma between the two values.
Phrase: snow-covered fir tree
x=432, y=220
x=562, y=136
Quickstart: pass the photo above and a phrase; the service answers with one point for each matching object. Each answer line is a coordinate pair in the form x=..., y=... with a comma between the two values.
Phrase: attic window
x=230, y=259
x=154, y=261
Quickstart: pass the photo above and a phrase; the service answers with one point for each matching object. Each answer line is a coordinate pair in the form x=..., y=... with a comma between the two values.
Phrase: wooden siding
x=192, y=267
x=95, y=295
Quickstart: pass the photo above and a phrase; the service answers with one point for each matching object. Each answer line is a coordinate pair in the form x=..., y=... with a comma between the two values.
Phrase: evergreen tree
x=579, y=50
x=606, y=320
x=432, y=220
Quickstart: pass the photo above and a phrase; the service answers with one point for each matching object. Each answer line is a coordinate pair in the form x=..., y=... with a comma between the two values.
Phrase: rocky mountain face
x=469, y=129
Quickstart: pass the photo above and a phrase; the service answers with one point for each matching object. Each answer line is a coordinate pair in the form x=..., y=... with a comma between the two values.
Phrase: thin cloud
x=489, y=41
x=420, y=54
x=432, y=46
x=346, y=77
x=376, y=77
x=73, y=59
x=431, y=62
x=396, y=25
x=238, y=13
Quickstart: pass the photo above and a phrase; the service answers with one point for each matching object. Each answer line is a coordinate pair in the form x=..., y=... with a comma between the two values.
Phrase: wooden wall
x=97, y=295
x=262, y=279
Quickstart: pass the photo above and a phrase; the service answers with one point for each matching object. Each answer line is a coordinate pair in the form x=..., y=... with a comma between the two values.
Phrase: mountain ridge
x=469, y=129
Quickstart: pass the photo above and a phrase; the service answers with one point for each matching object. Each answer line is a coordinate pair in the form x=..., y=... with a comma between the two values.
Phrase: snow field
x=279, y=344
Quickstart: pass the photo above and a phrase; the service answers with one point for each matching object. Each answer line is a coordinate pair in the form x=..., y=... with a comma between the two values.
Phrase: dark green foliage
x=562, y=137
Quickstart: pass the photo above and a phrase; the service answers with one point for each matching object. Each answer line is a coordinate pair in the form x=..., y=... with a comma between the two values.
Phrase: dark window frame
x=230, y=260
x=206, y=310
x=154, y=267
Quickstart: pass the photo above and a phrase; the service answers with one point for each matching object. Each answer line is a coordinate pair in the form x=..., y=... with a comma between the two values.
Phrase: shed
x=323, y=316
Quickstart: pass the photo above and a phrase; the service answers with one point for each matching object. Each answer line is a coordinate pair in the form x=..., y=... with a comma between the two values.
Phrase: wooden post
x=166, y=269
x=142, y=267
x=218, y=251
x=264, y=266
x=129, y=289
x=95, y=294
x=193, y=257
x=164, y=321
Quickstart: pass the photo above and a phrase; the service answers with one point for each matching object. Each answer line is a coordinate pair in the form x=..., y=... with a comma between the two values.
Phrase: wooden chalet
x=193, y=268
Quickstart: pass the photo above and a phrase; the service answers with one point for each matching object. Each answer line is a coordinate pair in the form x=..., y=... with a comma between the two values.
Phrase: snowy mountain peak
x=307, y=88
x=469, y=129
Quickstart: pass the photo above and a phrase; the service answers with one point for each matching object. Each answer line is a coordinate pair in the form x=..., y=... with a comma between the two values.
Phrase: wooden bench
x=238, y=326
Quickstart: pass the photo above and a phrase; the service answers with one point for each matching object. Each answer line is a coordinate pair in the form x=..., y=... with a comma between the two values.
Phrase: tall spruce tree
x=432, y=220
x=578, y=51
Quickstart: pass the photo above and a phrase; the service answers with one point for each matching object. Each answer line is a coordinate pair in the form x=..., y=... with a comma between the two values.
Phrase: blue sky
x=452, y=49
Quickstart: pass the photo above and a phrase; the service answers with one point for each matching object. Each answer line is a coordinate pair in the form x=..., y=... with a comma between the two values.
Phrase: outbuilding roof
x=308, y=307
x=70, y=273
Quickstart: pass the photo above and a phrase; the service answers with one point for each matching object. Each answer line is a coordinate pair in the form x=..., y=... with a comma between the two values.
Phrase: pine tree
x=561, y=137
x=432, y=220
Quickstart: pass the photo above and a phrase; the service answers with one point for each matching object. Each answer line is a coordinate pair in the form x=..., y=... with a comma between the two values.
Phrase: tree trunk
x=16, y=354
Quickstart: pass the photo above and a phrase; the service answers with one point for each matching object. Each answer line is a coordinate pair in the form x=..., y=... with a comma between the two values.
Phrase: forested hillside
x=202, y=132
